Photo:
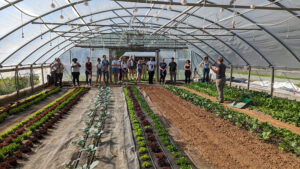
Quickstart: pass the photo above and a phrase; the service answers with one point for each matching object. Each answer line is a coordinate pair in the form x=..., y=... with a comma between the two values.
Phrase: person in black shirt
x=220, y=78
x=173, y=70
x=163, y=71
x=187, y=71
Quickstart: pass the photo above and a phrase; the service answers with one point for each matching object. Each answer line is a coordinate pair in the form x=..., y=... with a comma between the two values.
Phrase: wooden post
x=231, y=70
x=249, y=74
x=110, y=68
x=42, y=70
x=157, y=64
x=17, y=81
x=31, y=78
x=272, y=80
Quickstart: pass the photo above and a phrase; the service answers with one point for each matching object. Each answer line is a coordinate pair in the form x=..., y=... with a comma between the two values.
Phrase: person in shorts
x=88, y=71
x=163, y=71
x=139, y=71
x=131, y=67
x=115, y=64
x=99, y=71
x=105, y=65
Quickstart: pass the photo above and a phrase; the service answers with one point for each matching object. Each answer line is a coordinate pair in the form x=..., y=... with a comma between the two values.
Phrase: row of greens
x=139, y=137
x=285, y=139
x=162, y=132
x=279, y=108
x=20, y=138
x=89, y=141
x=24, y=104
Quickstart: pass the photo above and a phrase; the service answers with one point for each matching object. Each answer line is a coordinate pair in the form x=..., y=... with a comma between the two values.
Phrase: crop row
x=89, y=141
x=138, y=134
x=279, y=108
x=163, y=135
x=285, y=139
x=21, y=137
x=17, y=107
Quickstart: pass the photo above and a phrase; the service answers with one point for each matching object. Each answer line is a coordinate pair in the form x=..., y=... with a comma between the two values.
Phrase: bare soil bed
x=258, y=115
x=204, y=136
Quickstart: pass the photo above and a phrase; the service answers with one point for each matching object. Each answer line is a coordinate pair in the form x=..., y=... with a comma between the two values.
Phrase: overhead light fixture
x=252, y=6
x=183, y=2
x=61, y=17
x=52, y=4
x=86, y=3
x=222, y=10
x=169, y=8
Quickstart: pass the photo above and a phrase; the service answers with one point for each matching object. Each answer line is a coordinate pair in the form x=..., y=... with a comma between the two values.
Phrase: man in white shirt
x=151, y=65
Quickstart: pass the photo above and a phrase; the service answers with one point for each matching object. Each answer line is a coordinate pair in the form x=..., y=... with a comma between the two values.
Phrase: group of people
x=122, y=68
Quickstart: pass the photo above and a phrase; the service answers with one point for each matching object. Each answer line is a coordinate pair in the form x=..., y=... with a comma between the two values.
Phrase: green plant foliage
x=142, y=150
x=141, y=143
x=286, y=140
x=182, y=161
x=145, y=157
x=146, y=164
x=279, y=108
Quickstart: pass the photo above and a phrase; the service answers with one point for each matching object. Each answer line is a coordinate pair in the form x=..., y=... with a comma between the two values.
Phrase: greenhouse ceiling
x=245, y=32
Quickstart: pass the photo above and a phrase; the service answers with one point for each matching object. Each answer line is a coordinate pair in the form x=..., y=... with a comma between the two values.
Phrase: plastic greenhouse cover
x=278, y=44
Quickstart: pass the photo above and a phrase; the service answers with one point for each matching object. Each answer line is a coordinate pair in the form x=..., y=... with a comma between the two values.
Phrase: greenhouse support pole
x=17, y=81
x=231, y=69
x=272, y=80
x=31, y=78
x=42, y=70
x=157, y=64
x=249, y=75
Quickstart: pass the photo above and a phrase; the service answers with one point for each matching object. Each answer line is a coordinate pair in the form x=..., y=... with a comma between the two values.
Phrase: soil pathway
x=12, y=120
x=116, y=149
x=213, y=139
x=261, y=117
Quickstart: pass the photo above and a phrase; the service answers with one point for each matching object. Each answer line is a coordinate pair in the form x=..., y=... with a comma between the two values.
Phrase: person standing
x=220, y=77
x=88, y=71
x=75, y=68
x=144, y=76
x=205, y=64
x=163, y=71
x=99, y=71
x=120, y=69
x=187, y=71
x=151, y=67
x=115, y=68
x=124, y=69
x=105, y=65
x=173, y=70
x=139, y=71
x=131, y=67
x=59, y=72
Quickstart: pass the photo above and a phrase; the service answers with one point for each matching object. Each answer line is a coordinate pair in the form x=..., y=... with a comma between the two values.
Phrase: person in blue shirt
x=163, y=71
x=205, y=64
x=105, y=65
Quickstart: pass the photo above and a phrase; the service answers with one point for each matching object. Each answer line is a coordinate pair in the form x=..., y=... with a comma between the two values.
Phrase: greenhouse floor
x=258, y=115
x=116, y=148
x=205, y=136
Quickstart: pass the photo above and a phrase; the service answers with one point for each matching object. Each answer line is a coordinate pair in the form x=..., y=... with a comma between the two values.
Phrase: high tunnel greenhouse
x=159, y=84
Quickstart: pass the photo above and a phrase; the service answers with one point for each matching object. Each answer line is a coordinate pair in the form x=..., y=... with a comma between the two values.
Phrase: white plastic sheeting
x=277, y=42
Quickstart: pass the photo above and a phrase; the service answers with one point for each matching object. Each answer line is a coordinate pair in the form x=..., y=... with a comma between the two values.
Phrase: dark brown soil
x=215, y=140
x=260, y=116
